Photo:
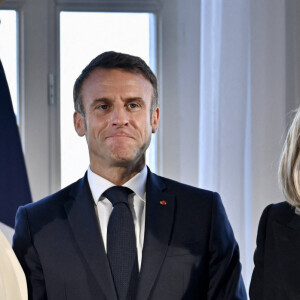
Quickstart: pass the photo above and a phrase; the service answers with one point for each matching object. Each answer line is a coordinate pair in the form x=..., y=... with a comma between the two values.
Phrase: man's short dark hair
x=115, y=60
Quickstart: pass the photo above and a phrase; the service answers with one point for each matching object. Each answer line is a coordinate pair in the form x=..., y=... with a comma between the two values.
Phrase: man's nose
x=119, y=116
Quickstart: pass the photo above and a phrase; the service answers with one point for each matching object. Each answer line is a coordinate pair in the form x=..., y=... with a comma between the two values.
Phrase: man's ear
x=79, y=123
x=155, y=119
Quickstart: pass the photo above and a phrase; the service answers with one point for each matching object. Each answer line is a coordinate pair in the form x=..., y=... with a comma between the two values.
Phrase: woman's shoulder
x=281, y=211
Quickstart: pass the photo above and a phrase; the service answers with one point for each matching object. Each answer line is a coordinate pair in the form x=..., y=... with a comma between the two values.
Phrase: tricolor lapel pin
x=163, y=202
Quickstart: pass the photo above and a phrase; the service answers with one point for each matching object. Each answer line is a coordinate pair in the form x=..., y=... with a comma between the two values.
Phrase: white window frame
x=178, y=71
x=39, y=100
x=93, y=6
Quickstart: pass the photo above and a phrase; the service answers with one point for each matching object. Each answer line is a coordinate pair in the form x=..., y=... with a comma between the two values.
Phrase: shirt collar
x=138, y=184
x=99, y=184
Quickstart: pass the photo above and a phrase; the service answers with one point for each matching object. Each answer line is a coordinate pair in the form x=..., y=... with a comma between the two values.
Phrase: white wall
x=180, y=69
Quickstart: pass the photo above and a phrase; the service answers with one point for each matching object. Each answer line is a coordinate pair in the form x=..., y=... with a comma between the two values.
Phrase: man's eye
x=133, y=105
x=103, y=106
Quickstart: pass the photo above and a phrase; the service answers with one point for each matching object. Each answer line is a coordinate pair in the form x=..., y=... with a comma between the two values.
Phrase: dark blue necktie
x=121, y=243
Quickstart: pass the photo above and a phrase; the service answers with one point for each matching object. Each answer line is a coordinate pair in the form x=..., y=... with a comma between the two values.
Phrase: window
x=33, y=35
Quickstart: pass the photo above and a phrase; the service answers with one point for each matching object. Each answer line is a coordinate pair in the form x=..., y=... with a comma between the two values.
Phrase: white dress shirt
x=137, y=201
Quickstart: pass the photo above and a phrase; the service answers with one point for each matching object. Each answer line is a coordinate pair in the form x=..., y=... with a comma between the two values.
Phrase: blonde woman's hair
x=289, y=166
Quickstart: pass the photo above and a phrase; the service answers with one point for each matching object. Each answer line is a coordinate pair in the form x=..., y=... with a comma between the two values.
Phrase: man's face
x=118, y=121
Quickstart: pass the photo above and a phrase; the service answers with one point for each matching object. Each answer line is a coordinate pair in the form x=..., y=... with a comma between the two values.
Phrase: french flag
x=14, y=185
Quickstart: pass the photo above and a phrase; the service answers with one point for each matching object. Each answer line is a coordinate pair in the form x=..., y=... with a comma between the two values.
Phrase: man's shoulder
x=58, y=198
x=184, y=190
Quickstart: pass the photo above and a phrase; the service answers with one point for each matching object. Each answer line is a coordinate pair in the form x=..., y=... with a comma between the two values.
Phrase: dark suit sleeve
x=257, y=281
x=28, y=257
x=225, y=282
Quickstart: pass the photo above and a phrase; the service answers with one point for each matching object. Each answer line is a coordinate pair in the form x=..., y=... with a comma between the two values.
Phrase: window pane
x=8, y=52
x=84, y=35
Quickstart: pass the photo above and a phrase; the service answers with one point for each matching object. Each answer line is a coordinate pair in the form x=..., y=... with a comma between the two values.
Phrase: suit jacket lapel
x=83, y=221
x=160, y=208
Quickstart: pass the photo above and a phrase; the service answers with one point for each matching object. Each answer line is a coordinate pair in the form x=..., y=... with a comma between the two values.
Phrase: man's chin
x=120, y=159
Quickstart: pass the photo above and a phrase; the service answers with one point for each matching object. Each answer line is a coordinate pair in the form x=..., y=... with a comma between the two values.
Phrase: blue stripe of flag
x=14, y=185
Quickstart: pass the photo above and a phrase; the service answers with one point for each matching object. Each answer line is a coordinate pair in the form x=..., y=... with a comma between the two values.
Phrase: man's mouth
x=119, y=136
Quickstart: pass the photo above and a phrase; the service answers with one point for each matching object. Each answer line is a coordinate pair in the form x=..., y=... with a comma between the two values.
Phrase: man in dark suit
x=184, y=247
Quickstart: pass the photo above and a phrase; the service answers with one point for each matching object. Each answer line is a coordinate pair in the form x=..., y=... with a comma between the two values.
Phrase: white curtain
x=242, y=110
